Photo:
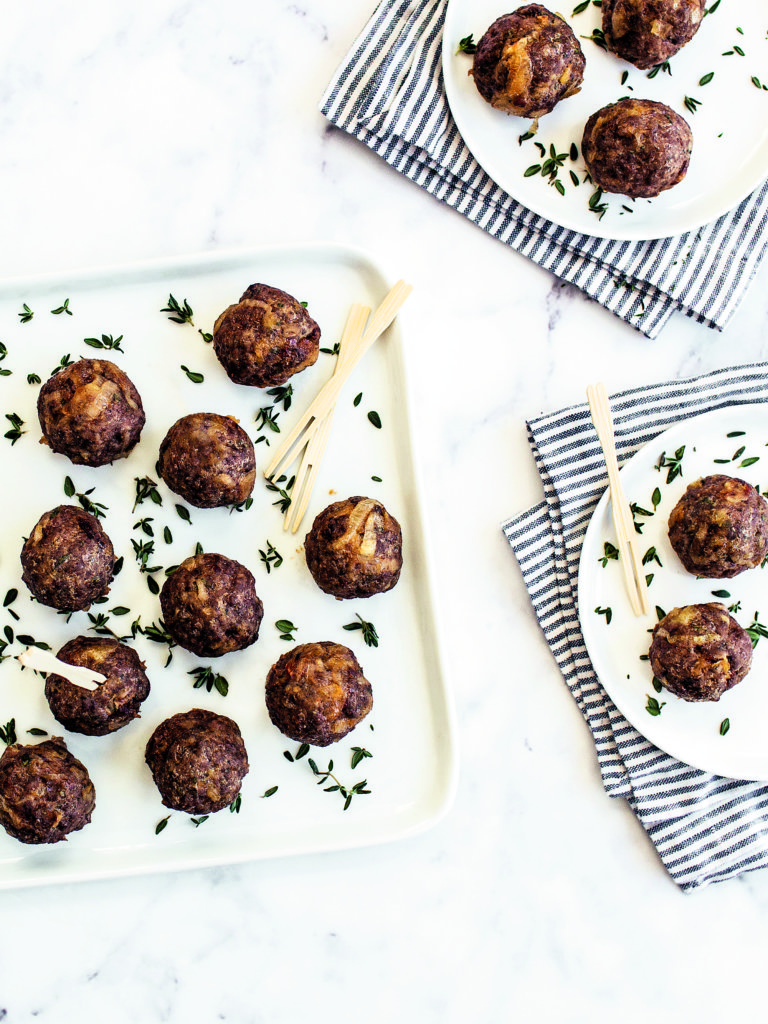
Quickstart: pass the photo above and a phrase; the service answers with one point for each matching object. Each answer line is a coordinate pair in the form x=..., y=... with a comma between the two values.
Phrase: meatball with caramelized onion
x=67, y=560
x=208, y=459
x=700, y=651
x=317, y=693
x=265, y=338
x=528, y=61
x=210, y=606
x=719, y=527
x=648, y=32
x=45, y=792
x=637, y=148
x=91, y=412
x=198, y=761
x=355, y=548
x=114, y=703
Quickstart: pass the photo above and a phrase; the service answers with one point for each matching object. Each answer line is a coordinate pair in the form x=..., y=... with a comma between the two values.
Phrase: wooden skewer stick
x=629, y=552
x=313, y=453
x=317, y=410
x=44, y=661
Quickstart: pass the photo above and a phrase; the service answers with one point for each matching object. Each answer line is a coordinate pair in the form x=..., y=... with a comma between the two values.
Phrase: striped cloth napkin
x=706, y=828
x=389, y=94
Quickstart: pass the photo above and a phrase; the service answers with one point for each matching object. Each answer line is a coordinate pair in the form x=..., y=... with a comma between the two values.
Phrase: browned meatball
x=528, y=61
x=719, y=528
x=317, y=693
x=700, y=651
x=67, y=560
x=198, y=761
x=117, y=700
x=90, y=412
x=355, y=548
x=637, y=148
x=265, y=338
x=45, y=792
x=648, y=32
x=210, y=606
x=208, y=459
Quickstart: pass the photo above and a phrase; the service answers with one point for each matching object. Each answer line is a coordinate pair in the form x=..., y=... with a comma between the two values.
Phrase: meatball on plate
x=208, y=459
x=355, y=548
x=527, y=62
x=265, y=338
x=198, y=761
x=522, y=82
x=91, y=412
x=45, y=792
x=317, y=693
x=691, y=675
x=210, y=606
x=649, y=32
x=67, y=560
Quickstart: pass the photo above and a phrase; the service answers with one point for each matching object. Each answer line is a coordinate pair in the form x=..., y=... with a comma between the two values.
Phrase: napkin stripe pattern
x=706, y=828
x=389, y=94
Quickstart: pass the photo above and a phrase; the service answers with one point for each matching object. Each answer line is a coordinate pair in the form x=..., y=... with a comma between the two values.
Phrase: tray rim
x=446, y=779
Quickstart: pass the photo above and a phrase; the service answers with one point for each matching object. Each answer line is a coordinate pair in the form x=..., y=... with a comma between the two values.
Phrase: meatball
x=719, y=528
x=90, y=412
x=210, y=606
x=648, y=32
x=638, y=148
x=198, y=761
x=528, y=61
x=45, y=792
x=265, y=338
x=700, y=651
x=208, y=459
x=355, y=548
x=317, y=693
x=117, y=700
x=67, y=560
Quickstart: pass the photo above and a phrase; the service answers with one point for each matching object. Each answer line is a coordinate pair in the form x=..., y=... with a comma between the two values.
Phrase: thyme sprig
x=653, y=707
x=286, y=629
x=370, y=636
x=467, y=45
x=15, y=432
x=271, y=558
x=205, y=676
x=8, y=732
x=157, y=634
x=756, y=630
x=146, y=488
x=65, y=361
x=26, y=314
x=63, y=308
x=96, y=508
x=347, y=792
x=284, y=500
x=358, y=754
x=106, y=342
x=672, y=464
x=182, y=313
x=610, y=552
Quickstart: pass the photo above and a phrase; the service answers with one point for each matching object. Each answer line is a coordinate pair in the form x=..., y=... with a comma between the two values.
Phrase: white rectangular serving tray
x=410, y=732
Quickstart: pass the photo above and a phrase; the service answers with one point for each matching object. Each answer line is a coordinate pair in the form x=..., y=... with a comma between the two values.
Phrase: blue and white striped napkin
x=705, y=828
x=389, y=94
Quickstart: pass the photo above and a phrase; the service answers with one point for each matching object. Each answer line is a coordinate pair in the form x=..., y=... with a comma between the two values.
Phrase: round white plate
x=730, y=127
x=687, y=731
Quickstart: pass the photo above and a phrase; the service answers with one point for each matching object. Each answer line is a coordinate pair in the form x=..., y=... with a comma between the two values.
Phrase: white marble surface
x=164, y=127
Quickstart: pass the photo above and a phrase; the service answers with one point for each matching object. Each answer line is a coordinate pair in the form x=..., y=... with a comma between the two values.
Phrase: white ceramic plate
x=688, y=731
x=410, y=734
x=730, y=127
